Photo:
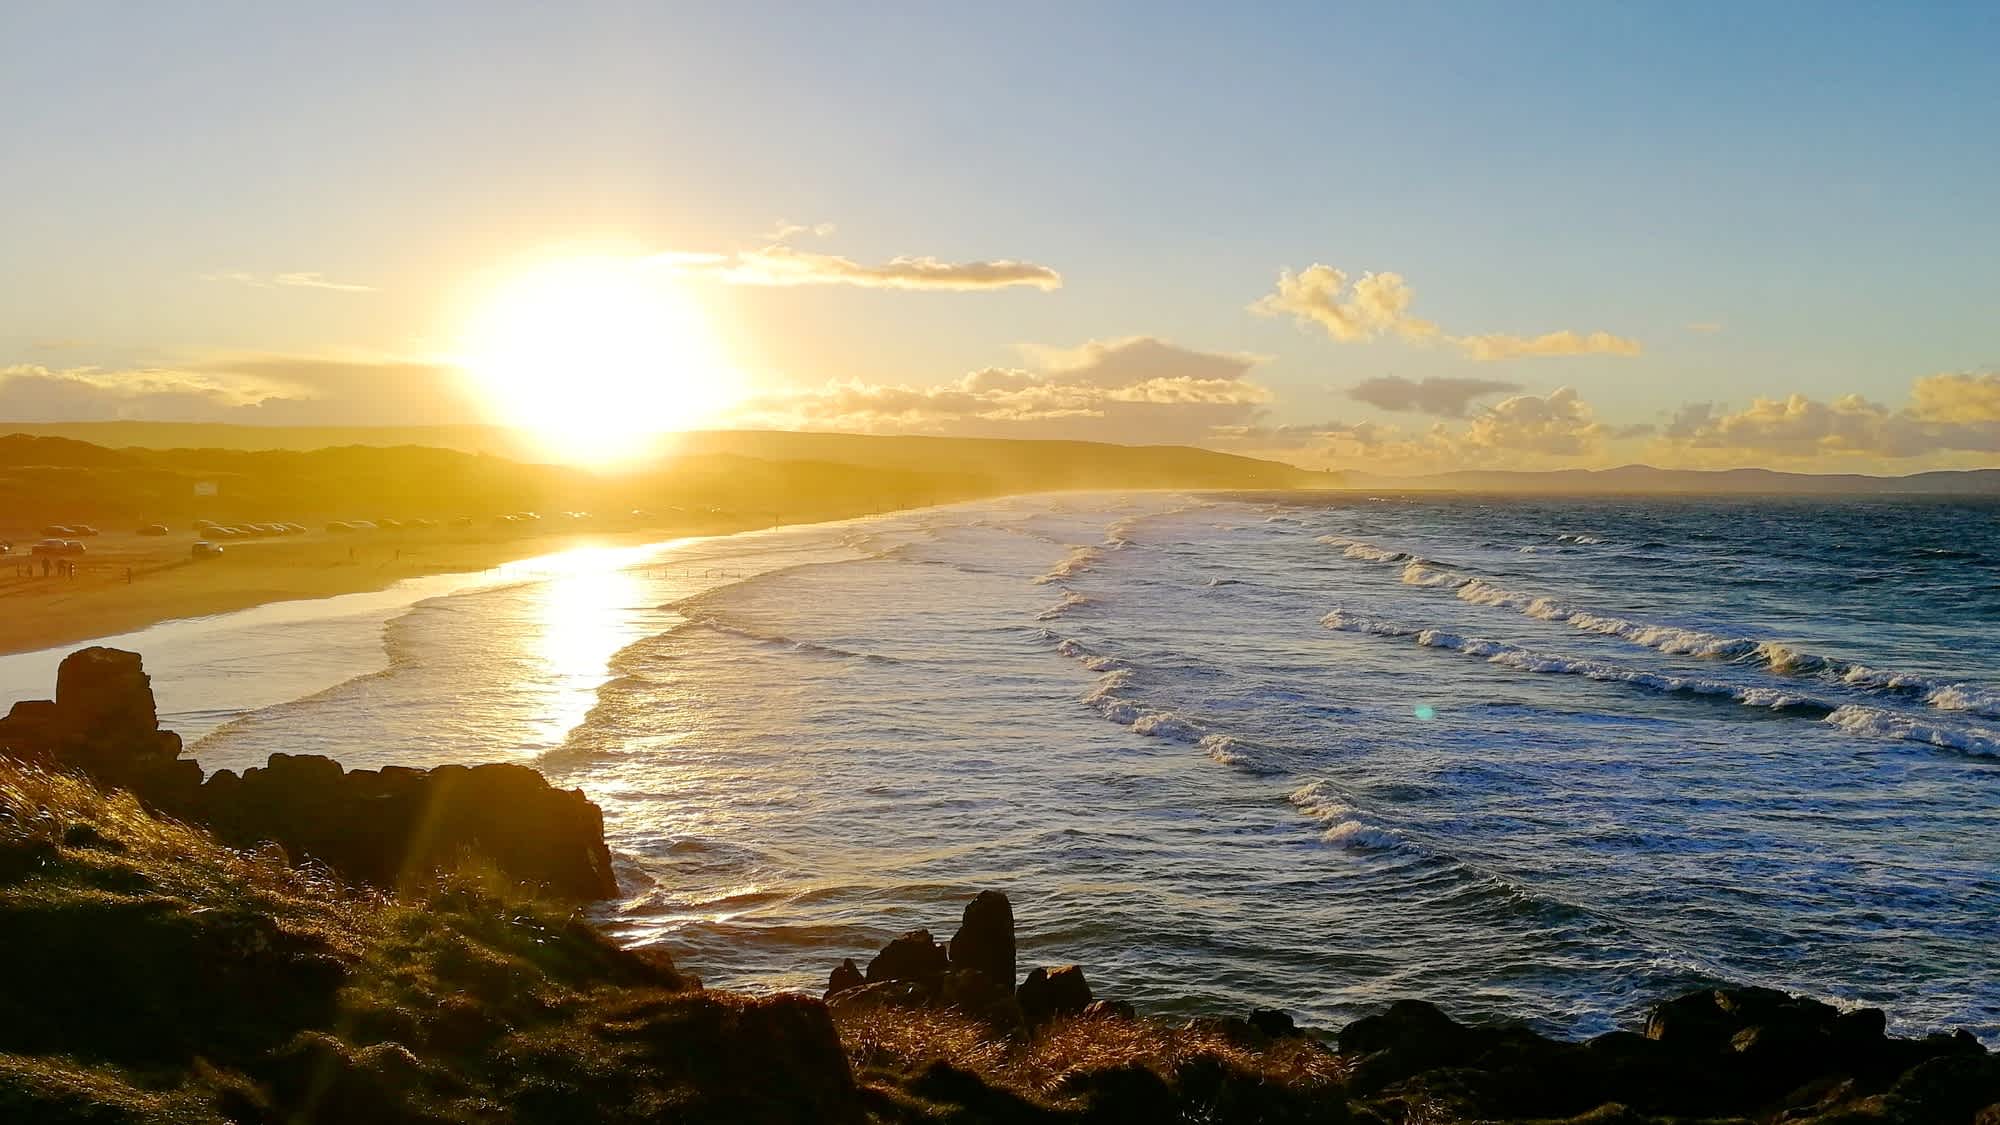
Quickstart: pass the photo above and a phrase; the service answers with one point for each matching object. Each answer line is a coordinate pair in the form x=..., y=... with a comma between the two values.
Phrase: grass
x=151, y=974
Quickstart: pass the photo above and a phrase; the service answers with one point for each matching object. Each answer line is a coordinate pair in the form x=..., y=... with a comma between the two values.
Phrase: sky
x=1407, y=238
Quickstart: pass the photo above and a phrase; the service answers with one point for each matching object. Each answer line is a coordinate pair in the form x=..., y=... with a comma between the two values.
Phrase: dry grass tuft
x=890, y=1042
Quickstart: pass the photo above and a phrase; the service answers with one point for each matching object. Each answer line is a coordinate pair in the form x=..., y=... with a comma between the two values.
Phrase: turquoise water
x=1548, y=760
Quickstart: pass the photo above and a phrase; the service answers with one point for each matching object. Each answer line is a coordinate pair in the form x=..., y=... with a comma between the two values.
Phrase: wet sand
x=125, y=581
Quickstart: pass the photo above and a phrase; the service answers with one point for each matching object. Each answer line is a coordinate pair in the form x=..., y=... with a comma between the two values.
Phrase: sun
x=597, y=357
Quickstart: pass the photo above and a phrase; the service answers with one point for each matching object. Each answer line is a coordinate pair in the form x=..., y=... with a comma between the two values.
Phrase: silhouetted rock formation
x=1048, y=993
x=384, y=826
x=984, y=943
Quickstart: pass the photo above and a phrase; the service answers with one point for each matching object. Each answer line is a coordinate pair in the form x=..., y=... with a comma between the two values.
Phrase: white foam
x=1874, y=722
x=1078, y=560
x=1070, y=600
x=1344, y=826
x=1676, y=640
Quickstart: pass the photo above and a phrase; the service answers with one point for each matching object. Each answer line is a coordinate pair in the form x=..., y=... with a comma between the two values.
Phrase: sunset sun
x=595, y=357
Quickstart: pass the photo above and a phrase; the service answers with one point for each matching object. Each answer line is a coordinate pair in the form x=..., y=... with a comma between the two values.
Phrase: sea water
x=1546, y=760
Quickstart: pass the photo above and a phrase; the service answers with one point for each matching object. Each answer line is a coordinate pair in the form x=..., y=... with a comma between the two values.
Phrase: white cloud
x=1947, y=413
x=251, y=389
x=297, y=280
x=1138, y=389
x=1378, y=305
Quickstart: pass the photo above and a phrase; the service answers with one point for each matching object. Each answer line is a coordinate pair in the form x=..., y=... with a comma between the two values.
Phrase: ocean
x=1533, y=759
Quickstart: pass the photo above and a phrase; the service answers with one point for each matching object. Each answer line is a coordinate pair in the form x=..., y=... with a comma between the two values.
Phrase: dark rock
x=1236, y=1032
x=1048, y=993
x=912, y=957
x=1110, y=1010
x=970, y=991
x=984, y=942
x=881, y=994
x=106, y=694
x=846, y=975
x=1406, y=1025
x=1274, y=1023
x=1949, y=1088
x=388, y=827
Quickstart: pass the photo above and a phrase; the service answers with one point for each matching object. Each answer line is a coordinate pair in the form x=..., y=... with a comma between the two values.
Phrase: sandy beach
x=126, y=581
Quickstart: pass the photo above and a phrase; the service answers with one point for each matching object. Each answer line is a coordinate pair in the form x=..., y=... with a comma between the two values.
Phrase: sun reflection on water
x=582, y=615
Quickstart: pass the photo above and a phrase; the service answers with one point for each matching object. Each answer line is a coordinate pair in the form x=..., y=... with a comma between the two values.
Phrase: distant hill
x=1020, y=462
x=789, y=477
x=1628, y=479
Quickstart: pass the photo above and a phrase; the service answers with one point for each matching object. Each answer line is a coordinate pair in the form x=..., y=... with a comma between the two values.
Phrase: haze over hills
x=1002, y=464
x=1628, y=479
x=787, y=477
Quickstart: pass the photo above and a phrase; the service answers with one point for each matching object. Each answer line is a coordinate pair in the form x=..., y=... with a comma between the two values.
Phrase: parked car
x=203, y=549
x=57, y=531
x=339, y=527
x=82, y=530
x=153, y=529
x=49, y=547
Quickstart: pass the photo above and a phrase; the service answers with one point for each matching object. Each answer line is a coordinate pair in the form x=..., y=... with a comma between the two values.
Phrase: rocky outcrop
x=984, y=943
x=1048, y=993
x=395, y=825
x=386, y=827
x=1726, y=1053
x=103, y=722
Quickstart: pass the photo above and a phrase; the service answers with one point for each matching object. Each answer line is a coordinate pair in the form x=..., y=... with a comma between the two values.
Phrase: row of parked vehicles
x=208, y=529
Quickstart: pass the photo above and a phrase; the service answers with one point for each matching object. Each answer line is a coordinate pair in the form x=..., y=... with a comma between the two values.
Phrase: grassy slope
x=148, y=974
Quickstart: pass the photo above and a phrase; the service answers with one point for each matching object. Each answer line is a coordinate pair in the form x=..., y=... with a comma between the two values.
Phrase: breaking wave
x=1343, y=825
x=1943, y=693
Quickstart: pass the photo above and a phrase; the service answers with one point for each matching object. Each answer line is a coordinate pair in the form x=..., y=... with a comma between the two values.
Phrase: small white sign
x=204, y=488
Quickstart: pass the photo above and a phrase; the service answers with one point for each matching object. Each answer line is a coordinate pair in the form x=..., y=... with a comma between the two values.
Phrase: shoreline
x=39, y=614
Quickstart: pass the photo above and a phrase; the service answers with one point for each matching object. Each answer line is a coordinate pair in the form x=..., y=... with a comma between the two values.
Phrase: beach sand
x=126, y=581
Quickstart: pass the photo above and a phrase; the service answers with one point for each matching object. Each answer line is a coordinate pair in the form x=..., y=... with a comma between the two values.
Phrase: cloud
x=1947, y=413
x=250, y=389
x=785, y=232
x=781, y=265
x=1443, y=397
x=1564, y=343
x=1378, y=305
x=1375, y=305
x=1137, y=389
x=1522, y=431
x=301, y=280
x=1705, y=327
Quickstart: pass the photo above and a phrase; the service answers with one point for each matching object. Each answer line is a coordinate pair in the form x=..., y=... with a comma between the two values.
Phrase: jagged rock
x=386, y=827
x=845, y=975
x=984, y=942
x=911, y=957
x=1048, y=993
x=1110, y=1010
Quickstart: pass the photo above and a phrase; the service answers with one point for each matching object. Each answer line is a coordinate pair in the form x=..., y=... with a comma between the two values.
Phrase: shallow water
x=1536, y=759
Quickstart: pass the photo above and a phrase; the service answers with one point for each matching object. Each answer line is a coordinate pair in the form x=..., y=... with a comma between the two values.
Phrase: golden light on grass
x=596, y=357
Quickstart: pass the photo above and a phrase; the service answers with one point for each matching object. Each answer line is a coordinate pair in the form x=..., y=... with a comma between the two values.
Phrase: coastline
x=38, y=613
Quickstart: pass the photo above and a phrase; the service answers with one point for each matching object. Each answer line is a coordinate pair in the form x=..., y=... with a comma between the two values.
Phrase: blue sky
x=1812, y=185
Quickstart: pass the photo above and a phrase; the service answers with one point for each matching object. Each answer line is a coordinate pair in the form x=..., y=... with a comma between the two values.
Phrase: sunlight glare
x=597, y=357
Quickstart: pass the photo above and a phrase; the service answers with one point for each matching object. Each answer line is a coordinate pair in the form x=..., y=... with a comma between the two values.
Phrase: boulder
x=845, y=975
x=984, y=942
x=1048, y=993
x=1274, y=1023
x=106, y=693
x=1110, y=1010
x=911, y=957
